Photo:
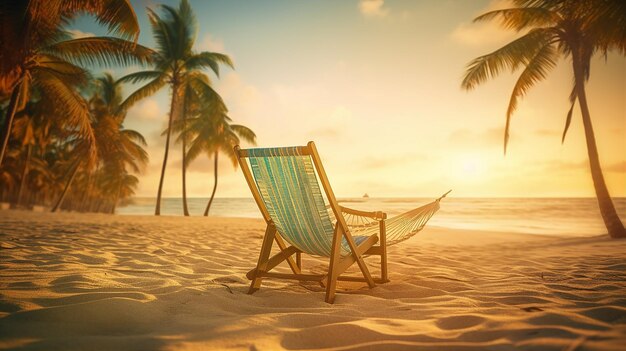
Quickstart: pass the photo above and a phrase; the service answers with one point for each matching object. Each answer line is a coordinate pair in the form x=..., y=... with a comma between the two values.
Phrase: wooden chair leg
x=264, y=255
x=359, y=260
x=295, y=267
x=383, y=255
x=335, y=255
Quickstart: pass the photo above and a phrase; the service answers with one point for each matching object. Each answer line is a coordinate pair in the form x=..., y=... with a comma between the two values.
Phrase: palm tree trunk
x=84, y=205
x=117, y=198
x=20, y=192
x=185, y=208
x=157, y=210
x=67, y=186
x=8, y=121
x=607, y=209
x=208, y=206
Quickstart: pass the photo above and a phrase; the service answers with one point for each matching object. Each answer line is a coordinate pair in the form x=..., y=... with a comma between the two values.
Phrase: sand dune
x=99, y=282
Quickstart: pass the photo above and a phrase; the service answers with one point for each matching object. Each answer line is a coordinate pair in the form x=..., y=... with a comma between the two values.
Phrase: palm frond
x=134, y=156
x=177, y=128
x=71, y=74
x=72, y=107
x=183, y=26
x=513, y=55
x=536, y=70
x=607, y=25
x=161, y=33
x=210, y=60
x=143, y=92
x=244, y=132
x=134, y=136
x=198, y=147
x=141, y=76
x=23, y=90
x=211, y=100
x=521, y=18
x=568, y=119
x=101, y=51
x=117, y=15
x=228, y=150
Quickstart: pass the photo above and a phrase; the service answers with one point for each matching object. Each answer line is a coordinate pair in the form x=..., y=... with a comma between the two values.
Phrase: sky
x=377, y=85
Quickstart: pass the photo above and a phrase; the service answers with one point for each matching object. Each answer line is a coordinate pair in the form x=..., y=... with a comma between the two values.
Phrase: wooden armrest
x=378, y=215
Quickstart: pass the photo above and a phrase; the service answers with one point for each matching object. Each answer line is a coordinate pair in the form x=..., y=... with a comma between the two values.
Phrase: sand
x=102, y=282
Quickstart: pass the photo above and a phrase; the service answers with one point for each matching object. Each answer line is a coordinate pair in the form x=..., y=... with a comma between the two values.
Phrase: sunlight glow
x=470, y=167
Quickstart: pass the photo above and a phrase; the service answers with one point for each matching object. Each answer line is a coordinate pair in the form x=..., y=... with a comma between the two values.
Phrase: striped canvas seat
x=290, y=190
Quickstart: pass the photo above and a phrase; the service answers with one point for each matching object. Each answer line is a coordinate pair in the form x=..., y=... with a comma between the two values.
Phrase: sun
x=469, y=167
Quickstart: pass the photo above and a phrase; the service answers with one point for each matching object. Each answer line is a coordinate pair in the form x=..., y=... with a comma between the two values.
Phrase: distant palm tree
x=120, y=146
x=117, y=185
x=35, y=51
x=576, y=29
x=210, y=130
x=32, y=129
x=175, y=34
x=118, y=149
x=83, y=160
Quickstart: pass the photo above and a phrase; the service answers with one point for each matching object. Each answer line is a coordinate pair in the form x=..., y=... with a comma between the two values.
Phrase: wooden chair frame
x=337, y=264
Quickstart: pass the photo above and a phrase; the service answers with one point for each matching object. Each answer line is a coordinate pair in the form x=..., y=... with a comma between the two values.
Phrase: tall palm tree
x=35, y=51
x=573, y=29
x=175, y=34
x=210, y=130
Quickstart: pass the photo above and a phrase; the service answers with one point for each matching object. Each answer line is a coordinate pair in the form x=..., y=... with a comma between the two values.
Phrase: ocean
x=556, y=216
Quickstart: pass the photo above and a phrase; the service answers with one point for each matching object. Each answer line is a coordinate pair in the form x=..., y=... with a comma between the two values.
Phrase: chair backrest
x=285, y=186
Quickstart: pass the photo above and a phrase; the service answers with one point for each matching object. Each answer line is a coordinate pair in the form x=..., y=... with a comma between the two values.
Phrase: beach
x=105, y=282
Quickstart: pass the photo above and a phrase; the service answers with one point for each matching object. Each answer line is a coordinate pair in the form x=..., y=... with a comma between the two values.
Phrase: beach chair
x=284, y=184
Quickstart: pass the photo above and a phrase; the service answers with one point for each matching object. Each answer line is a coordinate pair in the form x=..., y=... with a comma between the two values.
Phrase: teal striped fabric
x=289, y=188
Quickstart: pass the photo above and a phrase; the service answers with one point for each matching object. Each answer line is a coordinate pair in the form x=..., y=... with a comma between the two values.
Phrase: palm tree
x=118, y=149
x=122, y=149
x=31, y=129
x=83, y=160
x=117, y=185
x=36, y=52
x=175, y=59
x=576, y=29
x=210, y=130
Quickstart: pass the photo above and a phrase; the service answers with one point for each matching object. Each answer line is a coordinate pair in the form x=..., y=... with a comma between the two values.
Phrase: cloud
x=373, y=8
x=563, y=166
x=212, y=44
x=484, y=33
x=203, y=163
x=77, y=34
x=147, y=110
x=619, y=167
x=234, y=90
x=334, y=123
x=380, y=162
x=489, y=137
x=548, y=133
x=244, y=100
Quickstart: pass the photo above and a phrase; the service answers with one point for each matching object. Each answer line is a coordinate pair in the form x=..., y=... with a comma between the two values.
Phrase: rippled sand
x=100, y=282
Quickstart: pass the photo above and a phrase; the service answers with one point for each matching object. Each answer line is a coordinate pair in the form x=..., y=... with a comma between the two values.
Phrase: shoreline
x=440, y=227
x=99, y=281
